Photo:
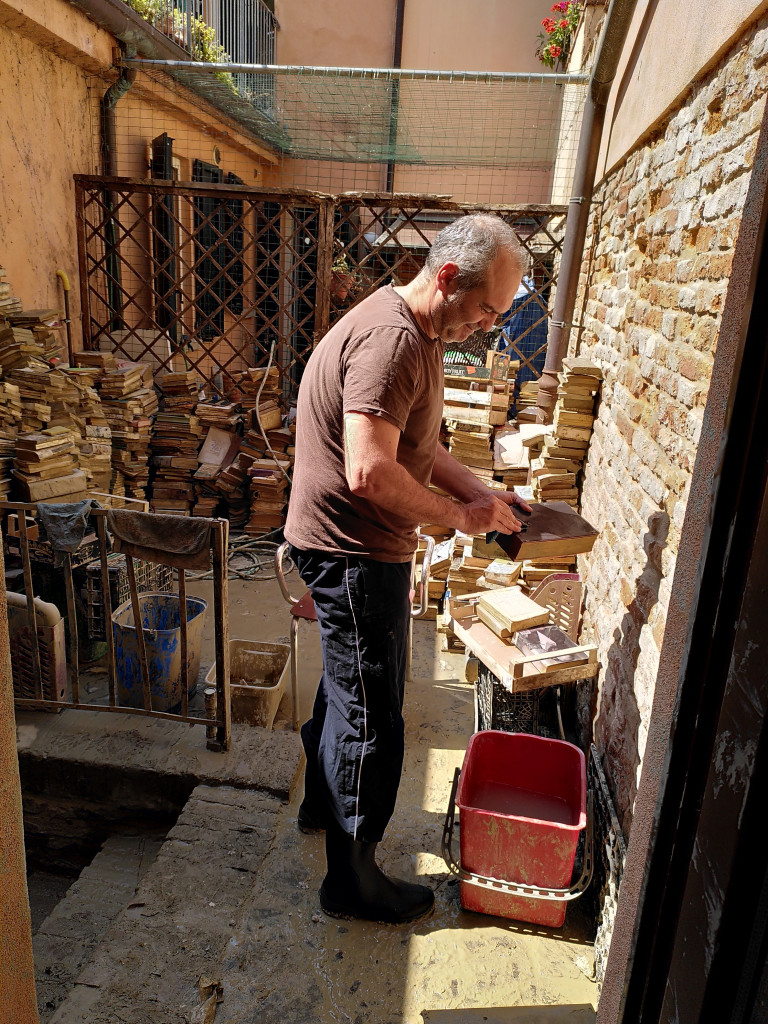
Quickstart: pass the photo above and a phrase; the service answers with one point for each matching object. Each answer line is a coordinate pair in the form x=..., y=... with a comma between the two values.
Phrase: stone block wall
x=654, y=280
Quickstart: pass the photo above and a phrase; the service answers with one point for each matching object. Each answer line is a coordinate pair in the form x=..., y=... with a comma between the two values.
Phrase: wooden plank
x=221, y=626
x=183, y=627
x=137, y=622
x=501, y=658
x=29, y=591
x=74, y=660
x=101, y=531
x=324, y=273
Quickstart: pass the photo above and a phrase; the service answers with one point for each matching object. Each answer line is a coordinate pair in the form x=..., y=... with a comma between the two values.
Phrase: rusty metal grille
x=218, y=277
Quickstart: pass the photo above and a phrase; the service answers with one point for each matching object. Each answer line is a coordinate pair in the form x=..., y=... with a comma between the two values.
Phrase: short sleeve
x=381, y=374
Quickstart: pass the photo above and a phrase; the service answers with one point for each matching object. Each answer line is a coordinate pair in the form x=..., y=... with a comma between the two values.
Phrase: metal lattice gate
x=219, y=277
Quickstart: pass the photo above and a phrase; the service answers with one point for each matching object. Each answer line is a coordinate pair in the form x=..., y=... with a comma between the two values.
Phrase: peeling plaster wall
x=656, y=271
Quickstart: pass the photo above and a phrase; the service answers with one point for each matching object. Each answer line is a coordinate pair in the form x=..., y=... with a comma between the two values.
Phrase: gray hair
x=473, y=242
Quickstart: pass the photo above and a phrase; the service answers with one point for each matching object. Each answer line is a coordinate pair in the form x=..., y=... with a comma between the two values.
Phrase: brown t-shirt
x=375, y=360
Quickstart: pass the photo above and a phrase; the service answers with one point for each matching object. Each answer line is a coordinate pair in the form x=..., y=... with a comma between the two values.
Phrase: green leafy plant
x=203, y=44
x=555, y=41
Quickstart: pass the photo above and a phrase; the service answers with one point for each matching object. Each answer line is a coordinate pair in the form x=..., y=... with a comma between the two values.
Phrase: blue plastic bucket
x=162, y=639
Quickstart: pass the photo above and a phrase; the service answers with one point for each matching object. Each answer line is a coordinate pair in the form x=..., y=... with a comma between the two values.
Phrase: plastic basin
x=257, y=678
x=522, y=802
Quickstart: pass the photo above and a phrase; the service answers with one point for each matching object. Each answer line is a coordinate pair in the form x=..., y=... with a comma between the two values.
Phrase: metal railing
x=42, y=684
x=224, y=31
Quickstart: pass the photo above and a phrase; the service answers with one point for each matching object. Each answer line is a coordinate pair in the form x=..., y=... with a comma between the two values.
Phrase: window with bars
x=219, y=237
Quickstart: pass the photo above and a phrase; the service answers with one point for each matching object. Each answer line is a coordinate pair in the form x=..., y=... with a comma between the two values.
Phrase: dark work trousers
x=356, y=733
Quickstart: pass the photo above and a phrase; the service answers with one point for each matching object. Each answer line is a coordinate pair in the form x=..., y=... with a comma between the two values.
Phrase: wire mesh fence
x=217, y=277
x=477, y=137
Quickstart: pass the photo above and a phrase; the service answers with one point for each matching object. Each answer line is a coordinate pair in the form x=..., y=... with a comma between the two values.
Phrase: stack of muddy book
x=268, y=496
x=32, y=334
x=248, y=392
x=176, y=441
x=218, y=452
x=8, y=303
x=45, y=466
x=10, y=423
x=130, y=403
x=94, y=440
x=556, y=472
x=219, y=423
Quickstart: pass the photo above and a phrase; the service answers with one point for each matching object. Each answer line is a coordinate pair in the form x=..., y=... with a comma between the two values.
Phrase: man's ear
x=447, y=278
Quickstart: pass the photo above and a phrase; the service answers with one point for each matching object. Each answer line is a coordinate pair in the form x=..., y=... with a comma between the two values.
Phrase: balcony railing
x=221, y=31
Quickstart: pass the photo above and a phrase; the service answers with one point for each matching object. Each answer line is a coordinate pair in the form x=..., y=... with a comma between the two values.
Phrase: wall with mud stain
x=656, y=272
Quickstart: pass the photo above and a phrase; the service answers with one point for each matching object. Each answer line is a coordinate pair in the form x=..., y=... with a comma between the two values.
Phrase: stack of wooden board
x=556, y=471
x=45, y=466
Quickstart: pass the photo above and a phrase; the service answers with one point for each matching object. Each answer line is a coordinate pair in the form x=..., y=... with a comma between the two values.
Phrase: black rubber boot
x=313, y=812
x=355, y=886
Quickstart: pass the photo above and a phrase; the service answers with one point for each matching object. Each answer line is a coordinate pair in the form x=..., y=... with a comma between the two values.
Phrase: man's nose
x=488, y=321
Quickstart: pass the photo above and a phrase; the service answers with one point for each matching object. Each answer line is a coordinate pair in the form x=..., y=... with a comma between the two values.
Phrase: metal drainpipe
x=603, y=73
x=394, y=106
x=109, y=101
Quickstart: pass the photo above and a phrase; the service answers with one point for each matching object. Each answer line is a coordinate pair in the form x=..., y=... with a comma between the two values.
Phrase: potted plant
x=555, y=41
x=343, y=277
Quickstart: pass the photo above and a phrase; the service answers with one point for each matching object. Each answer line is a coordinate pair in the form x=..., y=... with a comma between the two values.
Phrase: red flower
x=555, y=51
x=563, y=23
x=549, y=24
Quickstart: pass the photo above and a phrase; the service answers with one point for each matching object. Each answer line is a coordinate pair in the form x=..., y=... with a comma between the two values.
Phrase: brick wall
x=653, y=285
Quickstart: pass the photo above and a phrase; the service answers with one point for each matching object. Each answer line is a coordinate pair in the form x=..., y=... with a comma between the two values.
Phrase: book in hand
x=549, y=640
x=551, y=528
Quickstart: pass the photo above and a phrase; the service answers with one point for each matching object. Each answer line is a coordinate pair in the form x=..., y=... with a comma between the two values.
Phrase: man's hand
x=491, y=512
x=513, y=499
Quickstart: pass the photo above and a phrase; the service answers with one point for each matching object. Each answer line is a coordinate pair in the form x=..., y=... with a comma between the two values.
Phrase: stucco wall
x=657, y=265
x=46, y=133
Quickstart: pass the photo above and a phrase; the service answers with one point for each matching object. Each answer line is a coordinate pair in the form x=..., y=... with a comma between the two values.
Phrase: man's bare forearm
x=373, y=473
x=449, y=475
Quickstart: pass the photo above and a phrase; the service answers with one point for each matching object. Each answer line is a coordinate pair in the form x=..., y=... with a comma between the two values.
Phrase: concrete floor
x=278, y=958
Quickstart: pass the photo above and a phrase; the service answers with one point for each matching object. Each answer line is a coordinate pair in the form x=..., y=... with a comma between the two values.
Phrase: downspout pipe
x=109, y=101
x=397, y=60
x=612, y=42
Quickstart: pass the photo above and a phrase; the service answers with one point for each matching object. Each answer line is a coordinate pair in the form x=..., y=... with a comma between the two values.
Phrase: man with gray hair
x=367, y=449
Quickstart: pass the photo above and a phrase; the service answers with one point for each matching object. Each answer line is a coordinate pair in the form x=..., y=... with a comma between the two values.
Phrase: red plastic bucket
x=523, y=803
